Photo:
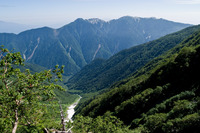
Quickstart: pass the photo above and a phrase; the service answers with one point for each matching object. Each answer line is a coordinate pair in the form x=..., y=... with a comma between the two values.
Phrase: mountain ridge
x=78, y=43
x=121, y=65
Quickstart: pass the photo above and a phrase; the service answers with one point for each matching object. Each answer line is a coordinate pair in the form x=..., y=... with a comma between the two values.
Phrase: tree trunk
x=46, y=130
x=62, y=118
x=16, y=122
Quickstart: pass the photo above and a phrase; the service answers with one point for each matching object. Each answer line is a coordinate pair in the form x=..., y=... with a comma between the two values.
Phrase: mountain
x=163, y=97
x=8, y=27
x=80, y=42
x=101, y=74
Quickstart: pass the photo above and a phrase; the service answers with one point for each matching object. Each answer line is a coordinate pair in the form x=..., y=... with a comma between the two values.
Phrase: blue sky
x=60, y=12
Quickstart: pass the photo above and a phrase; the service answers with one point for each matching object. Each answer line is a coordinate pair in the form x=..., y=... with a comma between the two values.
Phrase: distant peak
x=153, y=18
x=79, y=19
x=131, y=18
x=95, y=20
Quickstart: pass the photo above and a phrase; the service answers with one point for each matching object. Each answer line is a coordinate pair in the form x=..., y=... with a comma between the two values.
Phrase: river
x=71, y=111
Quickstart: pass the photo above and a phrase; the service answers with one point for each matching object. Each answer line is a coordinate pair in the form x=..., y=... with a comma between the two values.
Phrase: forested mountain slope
x=78, y=43
x=165, y=98
x=102, y=74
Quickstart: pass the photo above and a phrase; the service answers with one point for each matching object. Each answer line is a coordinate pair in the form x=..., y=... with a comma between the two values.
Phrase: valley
x=122, y=75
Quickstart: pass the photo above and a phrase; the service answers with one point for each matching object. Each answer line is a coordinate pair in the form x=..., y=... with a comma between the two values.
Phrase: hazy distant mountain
x=78, y=43
x=8, y=27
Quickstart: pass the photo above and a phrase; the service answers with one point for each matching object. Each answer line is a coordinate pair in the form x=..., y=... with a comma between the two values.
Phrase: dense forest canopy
x=162, y=97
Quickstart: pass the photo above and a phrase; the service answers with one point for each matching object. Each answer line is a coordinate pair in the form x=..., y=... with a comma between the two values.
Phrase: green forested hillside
x=164, y=98
x=102, y=75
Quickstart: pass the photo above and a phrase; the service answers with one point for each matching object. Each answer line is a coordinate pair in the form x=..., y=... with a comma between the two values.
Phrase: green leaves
x=58, y=72
x=102, y=124
x=154, y=122
x=23, y=92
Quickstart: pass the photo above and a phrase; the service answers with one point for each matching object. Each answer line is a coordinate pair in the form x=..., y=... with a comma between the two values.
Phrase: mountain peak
x=78, y=43
x=95, y=20
x=130, y=17
x=79, y=20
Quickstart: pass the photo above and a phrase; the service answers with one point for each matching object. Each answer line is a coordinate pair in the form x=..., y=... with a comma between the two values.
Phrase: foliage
x=154, y=122
x=186, y=124
x=102, y=124
x=101, y=74
x=24, y=96
x=164, y=95
x=64, y=97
